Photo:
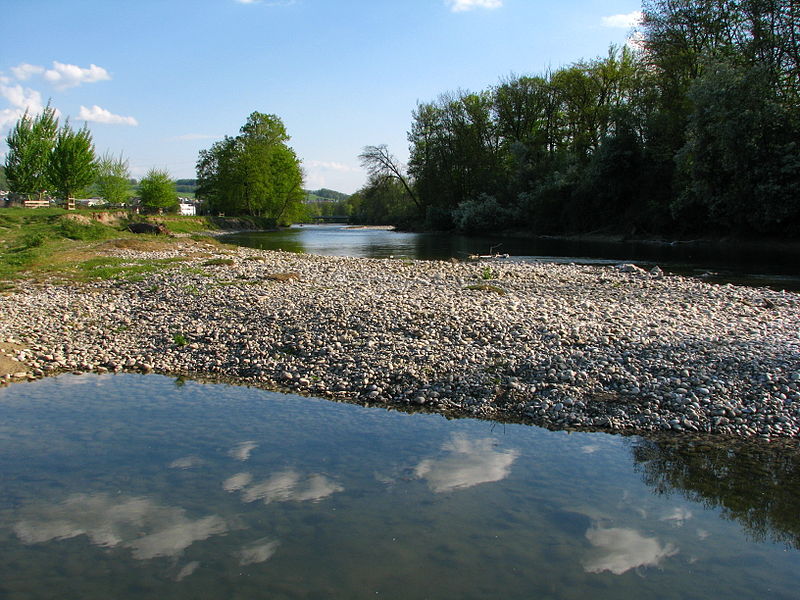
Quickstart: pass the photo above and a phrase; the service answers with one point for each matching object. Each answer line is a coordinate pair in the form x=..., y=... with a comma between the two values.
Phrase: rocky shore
x=562, y=346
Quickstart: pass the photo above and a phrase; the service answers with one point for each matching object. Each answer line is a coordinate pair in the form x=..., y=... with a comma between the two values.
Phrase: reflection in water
x=242, y=450
x=288, y=486
x=570, y=520
x=469, y=463
x=624, y=549
x=237, y=482
x=258, y=552
x=186, y=462
x=756, y=485
x=147, y=528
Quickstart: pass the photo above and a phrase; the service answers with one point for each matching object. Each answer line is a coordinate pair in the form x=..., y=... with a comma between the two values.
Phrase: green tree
x=113, y=179
x=255, y=173
x=30, y=143
x=157, y=191
x=72, y=162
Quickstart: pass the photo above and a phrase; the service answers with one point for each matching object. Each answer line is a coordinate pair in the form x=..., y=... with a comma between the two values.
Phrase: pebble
x=595, y=347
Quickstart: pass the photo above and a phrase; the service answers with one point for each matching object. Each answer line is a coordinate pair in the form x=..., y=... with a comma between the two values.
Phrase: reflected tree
x=756, y=485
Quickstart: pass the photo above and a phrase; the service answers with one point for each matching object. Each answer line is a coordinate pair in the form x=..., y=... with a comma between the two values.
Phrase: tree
x=255, y=173
x=113, y=179
x=157, y=191
x=72, y=162
x=380, y=164
x=30, y=143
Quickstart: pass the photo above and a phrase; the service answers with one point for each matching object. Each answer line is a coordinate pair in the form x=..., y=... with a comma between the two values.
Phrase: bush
x=482, y=214
x=33, y=239
x=82, y=231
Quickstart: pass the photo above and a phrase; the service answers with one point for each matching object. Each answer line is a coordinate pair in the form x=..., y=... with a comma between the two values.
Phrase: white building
x=188, y=210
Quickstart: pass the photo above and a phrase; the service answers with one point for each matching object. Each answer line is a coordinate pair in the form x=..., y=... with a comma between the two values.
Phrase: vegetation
x=694, y=133
x=157, y=192
x=113, y=179
x=30, y=144
x=71, y=166
x=255, y=173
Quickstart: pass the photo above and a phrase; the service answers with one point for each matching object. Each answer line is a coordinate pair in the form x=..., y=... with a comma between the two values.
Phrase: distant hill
x=325, y=195
x=185, y=186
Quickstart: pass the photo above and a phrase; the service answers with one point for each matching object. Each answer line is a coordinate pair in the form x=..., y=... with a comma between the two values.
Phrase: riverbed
x=564, y=346
x=754, y=264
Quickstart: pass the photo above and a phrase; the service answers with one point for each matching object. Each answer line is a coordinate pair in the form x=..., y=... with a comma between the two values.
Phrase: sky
x=158, y=81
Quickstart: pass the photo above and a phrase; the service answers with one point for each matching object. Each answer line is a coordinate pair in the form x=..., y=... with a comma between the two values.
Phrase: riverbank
x=562, y=346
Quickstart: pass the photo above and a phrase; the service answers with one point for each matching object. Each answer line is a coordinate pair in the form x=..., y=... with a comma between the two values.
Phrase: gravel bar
x=560, y=346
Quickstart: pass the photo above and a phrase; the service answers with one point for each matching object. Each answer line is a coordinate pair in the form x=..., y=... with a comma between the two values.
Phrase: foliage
x=72, y=162
x=481, y=214
x=696, y=133
x=30, y=144
x=157, y=191
x=255, y=173
x=382, y=201
x=74, y=230
x=113, y=179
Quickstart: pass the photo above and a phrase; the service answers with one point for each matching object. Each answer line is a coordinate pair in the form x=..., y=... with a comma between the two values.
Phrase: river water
x=132, y=486
x=748, y=264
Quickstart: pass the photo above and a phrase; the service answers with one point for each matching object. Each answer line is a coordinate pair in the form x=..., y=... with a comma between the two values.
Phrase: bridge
x=331, y=219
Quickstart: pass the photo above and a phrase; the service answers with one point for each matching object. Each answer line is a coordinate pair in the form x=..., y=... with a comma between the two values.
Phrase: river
x=142, y=486
x=747, y=264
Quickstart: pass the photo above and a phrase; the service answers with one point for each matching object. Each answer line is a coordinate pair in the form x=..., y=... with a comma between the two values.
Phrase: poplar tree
x=30, y=144
x=72, y=164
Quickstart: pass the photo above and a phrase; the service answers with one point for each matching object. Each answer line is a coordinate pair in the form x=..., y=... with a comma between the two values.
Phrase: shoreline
x=572, y=347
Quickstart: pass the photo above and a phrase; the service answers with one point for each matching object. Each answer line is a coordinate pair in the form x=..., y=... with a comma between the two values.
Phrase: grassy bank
x=53, y=242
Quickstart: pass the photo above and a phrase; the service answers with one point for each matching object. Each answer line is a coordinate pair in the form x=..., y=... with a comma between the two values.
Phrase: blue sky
x=158, y=81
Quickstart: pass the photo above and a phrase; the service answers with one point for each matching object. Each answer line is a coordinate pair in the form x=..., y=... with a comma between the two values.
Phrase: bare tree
x=380, y=164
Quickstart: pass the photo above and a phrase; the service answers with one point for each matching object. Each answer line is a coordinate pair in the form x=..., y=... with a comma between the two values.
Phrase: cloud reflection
x=470, y=462
x=146, y=528
x=624, y=549
x=289, y=485
x=237, y=482
x=242, y=450
x=258, y=552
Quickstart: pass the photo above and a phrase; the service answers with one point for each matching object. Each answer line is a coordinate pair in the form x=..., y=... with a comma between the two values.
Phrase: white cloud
x=21, y=99
x=624, y=549
x=678, y=516
x=624, y=21
x=465, y=5
x=148, y=529
x=64, y=76
x=242, y=450
x=95, y=114
x=186, y=462
x=470, y=462
x=257, y=552
x=25, y=71
x=331, y=166
x=289, y=486
x=237, y=482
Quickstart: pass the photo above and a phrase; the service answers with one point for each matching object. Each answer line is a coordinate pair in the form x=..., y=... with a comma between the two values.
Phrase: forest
x=693, y=128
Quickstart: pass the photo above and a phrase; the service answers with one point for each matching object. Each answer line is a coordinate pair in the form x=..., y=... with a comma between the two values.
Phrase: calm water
x=145, y=487
x=739, y=263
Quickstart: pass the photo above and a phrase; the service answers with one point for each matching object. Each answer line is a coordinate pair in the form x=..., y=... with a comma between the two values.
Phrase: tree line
x=46, y=159
x=694, y=131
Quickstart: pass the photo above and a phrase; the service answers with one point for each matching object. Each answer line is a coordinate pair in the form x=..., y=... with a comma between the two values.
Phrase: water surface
x=133, y=486
x=741, y=263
